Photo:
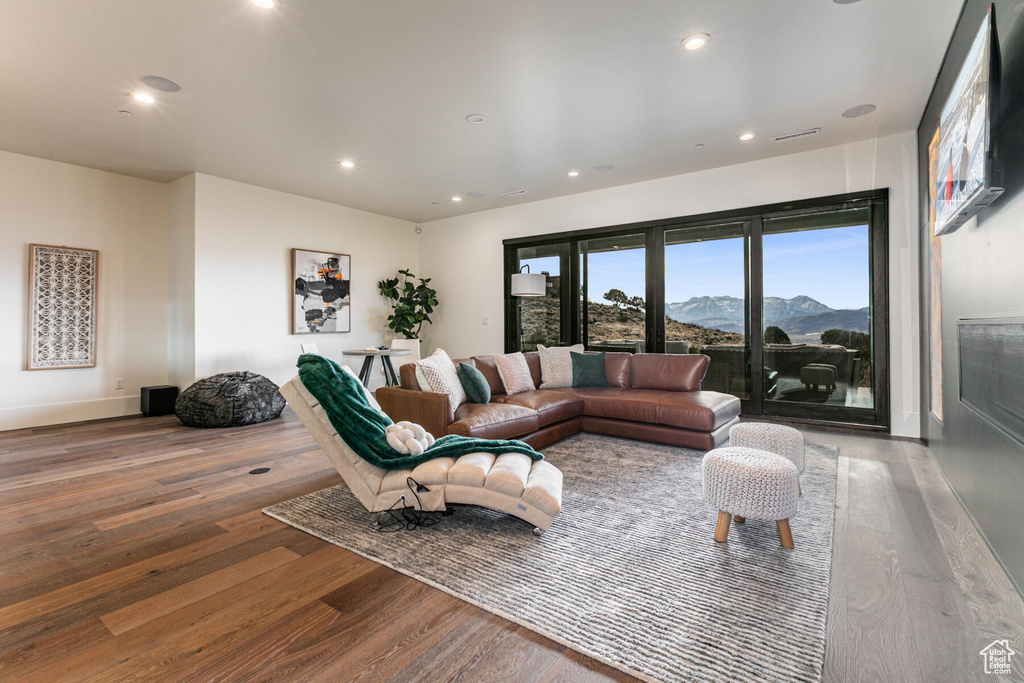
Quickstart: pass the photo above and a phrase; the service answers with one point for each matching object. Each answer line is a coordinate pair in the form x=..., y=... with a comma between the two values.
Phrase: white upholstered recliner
x=511, y=482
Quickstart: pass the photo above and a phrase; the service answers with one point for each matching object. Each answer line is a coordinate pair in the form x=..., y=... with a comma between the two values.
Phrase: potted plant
x=412, y=303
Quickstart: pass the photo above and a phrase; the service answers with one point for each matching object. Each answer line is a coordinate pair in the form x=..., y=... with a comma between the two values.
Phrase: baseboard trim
x=23, y=417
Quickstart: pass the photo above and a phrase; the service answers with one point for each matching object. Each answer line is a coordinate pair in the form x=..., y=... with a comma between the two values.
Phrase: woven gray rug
x=628, y=573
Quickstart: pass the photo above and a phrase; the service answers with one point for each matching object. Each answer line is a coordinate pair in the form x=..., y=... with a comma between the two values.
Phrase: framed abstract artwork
x=321, y=296
x=62, y=307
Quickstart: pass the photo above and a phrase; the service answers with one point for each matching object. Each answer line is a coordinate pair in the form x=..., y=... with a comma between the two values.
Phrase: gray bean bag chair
x=230, y=399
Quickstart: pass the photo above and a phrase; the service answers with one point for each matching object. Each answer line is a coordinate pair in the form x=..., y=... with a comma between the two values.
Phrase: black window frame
x=877, y=201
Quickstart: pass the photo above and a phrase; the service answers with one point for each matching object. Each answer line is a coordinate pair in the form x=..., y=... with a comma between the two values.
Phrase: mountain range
x=800, y=315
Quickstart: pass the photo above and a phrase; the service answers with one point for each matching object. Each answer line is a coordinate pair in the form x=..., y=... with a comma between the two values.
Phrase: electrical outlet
x=119, y=384
x=486, y=320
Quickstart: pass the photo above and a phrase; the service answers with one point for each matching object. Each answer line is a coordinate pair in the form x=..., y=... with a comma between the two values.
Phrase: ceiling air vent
x=514, y=193
x=794, y=136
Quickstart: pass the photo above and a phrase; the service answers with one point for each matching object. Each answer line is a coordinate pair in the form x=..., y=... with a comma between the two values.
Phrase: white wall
x=181, y=283
x=46, y=202
x=464, y=254
x=243, y=240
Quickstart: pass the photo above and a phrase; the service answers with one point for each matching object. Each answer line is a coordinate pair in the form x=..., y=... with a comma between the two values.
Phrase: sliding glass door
x=706, y=309
x=818, y=307
x=787, y=301
x=613, y=293
x=543, y=320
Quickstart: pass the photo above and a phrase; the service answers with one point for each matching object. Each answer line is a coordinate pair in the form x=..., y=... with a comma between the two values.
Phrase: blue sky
x=830, y=266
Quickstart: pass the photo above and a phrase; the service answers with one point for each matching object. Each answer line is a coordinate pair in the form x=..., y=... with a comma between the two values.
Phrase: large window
x=788, y=301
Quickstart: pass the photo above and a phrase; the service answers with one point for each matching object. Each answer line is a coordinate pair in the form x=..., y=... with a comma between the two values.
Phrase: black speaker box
x=158, y=400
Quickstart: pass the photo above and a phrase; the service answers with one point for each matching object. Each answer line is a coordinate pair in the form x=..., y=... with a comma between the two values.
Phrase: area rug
x=628, y=573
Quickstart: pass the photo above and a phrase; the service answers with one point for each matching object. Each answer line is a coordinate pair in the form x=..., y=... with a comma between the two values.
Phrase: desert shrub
x=776, y=335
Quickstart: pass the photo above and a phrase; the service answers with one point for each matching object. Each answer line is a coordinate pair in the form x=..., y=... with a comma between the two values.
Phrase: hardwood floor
x=134, y=549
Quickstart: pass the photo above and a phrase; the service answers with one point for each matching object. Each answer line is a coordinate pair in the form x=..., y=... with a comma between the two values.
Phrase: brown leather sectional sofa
x=650, y=397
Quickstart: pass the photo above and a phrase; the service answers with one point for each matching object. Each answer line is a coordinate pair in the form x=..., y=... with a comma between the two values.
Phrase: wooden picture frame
x=62, y=307
x=321, y=297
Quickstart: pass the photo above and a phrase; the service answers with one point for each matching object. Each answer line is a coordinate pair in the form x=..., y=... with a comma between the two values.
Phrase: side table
x=390, y=378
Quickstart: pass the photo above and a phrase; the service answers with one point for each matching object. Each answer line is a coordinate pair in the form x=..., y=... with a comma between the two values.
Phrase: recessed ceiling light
x=265, y=4
x=160, y=83
x=698, y=145
x=476, y=195
x=456, y=198
x=126, y=112
x=348, y=164
x=745, y=137
x=144, y=97
x=476, y=118
x=603, y=167
x=845, y=2
x=859, y=110
x=696, y=41
x=572, y=174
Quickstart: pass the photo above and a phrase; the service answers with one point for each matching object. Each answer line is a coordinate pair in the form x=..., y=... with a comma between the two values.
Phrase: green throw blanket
x=362, y=427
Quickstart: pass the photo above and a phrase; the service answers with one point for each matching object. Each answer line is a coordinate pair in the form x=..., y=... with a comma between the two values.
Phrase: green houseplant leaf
x=412, y=302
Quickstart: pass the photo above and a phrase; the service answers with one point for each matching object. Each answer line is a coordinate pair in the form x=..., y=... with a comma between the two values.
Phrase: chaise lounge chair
x=511, y=482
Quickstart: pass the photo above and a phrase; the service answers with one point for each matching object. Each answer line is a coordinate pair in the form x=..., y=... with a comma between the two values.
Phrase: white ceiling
x=277, y=97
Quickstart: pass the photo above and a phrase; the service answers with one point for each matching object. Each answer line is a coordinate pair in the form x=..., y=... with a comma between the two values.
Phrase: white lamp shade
x=529, y=284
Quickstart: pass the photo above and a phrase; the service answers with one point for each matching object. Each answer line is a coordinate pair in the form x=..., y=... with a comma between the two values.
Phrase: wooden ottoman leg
x=738, y=519
x=799, y=491
x=722, y=528
x=785, y=536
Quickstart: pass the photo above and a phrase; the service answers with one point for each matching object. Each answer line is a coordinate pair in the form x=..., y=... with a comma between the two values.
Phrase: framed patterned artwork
x=62, y=307
x=321, y=296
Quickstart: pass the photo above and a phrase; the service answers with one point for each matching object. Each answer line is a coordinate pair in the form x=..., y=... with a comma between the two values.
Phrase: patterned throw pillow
x=441, y=378
x=514, y=372
x=556, y=365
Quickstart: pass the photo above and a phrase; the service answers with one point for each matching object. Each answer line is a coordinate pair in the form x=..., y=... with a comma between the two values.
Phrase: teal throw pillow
x=588, y=370
x=475, y=384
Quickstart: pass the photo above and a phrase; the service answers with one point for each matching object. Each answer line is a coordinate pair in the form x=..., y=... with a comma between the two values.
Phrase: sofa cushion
x=702, y=411
x=494, y=421
x=616, y=368
x=533, y=362
x=551, y=406
x=487, y=368
x=667, y=372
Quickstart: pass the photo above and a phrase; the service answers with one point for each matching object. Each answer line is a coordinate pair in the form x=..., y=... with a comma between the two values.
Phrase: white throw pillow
x=437, y=374
x=514, y=372
x=556, y=365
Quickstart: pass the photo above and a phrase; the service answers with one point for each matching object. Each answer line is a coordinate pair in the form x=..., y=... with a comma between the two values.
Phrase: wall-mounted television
x=966, y=182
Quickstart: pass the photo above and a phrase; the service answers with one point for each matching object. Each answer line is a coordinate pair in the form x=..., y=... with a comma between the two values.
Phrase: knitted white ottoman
x=745, y=482
x=778, y=439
